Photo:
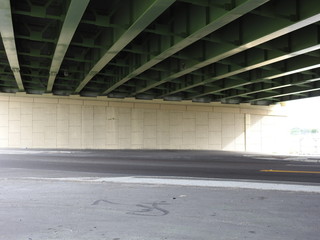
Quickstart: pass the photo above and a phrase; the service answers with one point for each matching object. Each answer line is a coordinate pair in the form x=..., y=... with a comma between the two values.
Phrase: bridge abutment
x=69, y=122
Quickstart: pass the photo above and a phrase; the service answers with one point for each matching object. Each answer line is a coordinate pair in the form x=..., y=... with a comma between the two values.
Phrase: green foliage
x=304, y=131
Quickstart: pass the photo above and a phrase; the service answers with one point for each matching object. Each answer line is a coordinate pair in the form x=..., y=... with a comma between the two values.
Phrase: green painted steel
x=222, y=18
x=70, y=24
x=244, y=51
x=291, y=91
x=263, y=56
x=149, y=12
x=275, y=87
x=7, y=35
x=258, y=34
x=286, y=68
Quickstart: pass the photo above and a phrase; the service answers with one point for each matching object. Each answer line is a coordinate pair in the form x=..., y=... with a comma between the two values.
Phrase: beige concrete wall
x=53, y=122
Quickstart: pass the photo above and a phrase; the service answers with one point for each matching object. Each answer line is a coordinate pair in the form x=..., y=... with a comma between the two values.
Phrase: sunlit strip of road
x=289, y=171
x=188, y=182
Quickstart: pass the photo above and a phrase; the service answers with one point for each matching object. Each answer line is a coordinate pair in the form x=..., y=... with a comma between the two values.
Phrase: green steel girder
x=101, y=23
x=143, y=15
x=34, y=33
x=233, y=51
x=27, y=8
x=260, y=30
x=36, y=54
x=293, y=90
x=296, y=97
x=75, y=12
x=194, y=33
x=256, y=57
x=7, y=34
x=202, y=3
x=295, y=65
x=35, y=38
x=118, y=64
x=37, y=14
x=34, y=66
x=85, y=42
x=104, y=20
x=283, y=82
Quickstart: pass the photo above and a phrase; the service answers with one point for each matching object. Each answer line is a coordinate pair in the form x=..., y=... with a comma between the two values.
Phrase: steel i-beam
x=310, y=44
x=218, y=22
x=70, y=24
x=7, y=34
x=151, y=12
x=290, y=91
x=285, y=85
x=265, y=33
x=301, y=67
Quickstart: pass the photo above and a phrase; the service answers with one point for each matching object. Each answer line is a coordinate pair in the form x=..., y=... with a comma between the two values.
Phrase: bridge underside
x=230, y=51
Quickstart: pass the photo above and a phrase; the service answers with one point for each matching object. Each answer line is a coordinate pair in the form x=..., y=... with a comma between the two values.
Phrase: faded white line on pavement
x=187, y=182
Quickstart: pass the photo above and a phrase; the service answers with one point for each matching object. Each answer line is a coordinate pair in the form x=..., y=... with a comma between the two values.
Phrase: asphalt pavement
x=157, y=195
x=170, y=163
x=48, y=210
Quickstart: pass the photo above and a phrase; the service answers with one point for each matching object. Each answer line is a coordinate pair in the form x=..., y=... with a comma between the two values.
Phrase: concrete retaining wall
x=53, y=122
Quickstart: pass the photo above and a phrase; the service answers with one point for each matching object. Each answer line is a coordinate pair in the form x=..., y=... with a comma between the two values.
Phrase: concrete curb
x=187, y=182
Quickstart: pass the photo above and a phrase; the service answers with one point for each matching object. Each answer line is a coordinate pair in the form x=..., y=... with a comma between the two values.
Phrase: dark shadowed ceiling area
x=230, y=51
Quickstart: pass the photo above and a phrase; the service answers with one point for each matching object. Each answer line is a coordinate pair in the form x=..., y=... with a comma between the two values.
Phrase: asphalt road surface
x=198, y=164
x=38, y=210
x=157, y=195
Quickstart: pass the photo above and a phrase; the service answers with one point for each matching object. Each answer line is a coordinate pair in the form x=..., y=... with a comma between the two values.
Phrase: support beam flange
x=7, y=34
x=263, y=32
x=150, y=13
x=70, y=24
x=217, y=23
